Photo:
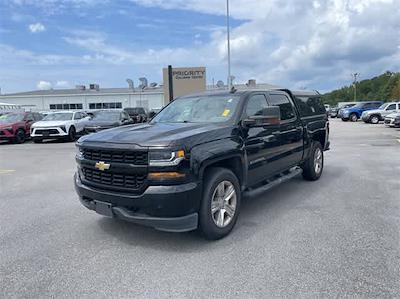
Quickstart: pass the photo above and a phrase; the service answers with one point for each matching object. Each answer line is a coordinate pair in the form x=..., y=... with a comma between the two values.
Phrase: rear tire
x=220, y=204
x=353, y=117
x=313, y=167
x=20, y=136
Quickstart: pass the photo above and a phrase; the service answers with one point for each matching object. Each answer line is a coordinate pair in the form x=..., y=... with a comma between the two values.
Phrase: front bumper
x=365, y=117
x=48, y=132
x=6, y=134
x=392, y=122
x=167, y=208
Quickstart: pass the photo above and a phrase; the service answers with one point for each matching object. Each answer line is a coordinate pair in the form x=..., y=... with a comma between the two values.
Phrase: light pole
x=229, y=45
x=355, y=75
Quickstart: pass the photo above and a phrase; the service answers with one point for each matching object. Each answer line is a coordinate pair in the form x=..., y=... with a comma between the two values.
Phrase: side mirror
x=271, y=116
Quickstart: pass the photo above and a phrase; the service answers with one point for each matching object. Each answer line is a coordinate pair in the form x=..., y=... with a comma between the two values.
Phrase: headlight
x=8, y=129
x=163, y=158
x=79, y=152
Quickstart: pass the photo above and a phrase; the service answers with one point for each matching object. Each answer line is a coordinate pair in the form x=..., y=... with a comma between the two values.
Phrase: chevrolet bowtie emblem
x=102, y=166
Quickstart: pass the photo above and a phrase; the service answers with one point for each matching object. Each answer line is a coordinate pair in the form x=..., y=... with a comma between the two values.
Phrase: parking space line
x=3, y=171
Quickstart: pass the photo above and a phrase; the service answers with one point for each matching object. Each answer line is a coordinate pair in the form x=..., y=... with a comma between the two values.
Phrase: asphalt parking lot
x=337, y=237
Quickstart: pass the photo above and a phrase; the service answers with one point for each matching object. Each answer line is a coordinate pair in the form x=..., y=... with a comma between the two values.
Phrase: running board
x=279, y=180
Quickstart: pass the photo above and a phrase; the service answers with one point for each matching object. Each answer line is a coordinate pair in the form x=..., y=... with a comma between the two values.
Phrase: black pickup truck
x=190, y=166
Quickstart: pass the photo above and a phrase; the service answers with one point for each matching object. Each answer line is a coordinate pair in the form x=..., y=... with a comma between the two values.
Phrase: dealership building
x=152, y=96
x=85, y=98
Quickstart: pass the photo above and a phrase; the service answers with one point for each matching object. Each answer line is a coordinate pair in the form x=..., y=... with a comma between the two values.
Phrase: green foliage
x=385, y=87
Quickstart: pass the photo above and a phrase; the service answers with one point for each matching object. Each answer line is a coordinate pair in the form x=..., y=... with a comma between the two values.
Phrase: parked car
x=335, y=110
x=59, y=125
x=189, y=166
x=138, y=114
x=153, y=112
x=106, y=119
x=16, y=126
x=354, y=113
x=376, y=115
x=393, y=120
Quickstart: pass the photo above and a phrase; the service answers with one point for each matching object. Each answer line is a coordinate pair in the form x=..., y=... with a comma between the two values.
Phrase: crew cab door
x=261, y=143
x=290, y=131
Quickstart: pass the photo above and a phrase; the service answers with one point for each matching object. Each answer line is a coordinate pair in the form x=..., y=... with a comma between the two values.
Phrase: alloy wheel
x=223, y=204
x=318, y=160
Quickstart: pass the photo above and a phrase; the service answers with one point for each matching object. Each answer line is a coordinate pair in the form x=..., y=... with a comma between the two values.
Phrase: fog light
x=165, y=175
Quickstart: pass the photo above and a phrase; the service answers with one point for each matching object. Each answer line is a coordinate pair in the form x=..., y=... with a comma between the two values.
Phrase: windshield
x=106, y=116
x=382, y=107
x=210, y=109
x=58, y=116
x=11, y=118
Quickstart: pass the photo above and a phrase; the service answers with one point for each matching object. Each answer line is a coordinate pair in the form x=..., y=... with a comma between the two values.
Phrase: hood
x=393, y=115
x=50, y=123
x=6, y=125
x=161, y=134
x=101, y=123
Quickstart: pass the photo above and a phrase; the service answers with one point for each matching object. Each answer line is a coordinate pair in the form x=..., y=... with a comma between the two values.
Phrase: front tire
x=313, y=167
x=220, y=205
x=374, y=119
x=20, y=136
x=72, y=134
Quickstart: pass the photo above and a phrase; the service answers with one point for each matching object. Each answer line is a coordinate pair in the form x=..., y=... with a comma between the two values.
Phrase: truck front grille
x=130, y=157
x=129, y=181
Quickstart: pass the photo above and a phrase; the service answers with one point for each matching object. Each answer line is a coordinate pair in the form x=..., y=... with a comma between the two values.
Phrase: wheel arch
x=233, y=162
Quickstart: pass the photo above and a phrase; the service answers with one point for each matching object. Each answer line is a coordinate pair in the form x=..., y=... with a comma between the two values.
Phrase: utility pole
x=229, y=45
x=355, y=75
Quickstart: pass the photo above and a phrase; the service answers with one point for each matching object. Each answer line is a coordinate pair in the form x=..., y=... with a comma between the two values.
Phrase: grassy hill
x=385, y=87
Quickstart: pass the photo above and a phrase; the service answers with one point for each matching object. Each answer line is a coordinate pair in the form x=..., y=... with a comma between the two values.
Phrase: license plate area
x=103, y=208
x=46, y=133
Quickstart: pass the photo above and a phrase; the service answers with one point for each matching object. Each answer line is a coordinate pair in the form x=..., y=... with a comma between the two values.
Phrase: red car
x=15, y=126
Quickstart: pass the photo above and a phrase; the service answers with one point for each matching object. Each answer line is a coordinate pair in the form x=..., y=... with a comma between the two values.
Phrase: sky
x=307, y=44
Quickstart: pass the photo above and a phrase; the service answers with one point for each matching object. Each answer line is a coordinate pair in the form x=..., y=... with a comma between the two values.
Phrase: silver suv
x=377, y=115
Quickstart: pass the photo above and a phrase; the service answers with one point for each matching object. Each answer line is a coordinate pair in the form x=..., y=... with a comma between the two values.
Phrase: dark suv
x=16, y=126
x=138, y=114
x=189, y=167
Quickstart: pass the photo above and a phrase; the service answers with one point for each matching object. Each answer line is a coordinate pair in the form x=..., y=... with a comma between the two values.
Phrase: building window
x=77, y=106
x=116, y=105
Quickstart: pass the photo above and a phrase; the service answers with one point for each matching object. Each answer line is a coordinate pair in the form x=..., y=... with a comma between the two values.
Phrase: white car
x=376, y=115
x=63, y=124
x=393, y=119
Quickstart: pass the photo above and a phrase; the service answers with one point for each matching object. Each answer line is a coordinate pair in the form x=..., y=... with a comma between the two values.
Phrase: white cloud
x=44, y=85
x=36, y=27
x=312, y=43
x=62, y=84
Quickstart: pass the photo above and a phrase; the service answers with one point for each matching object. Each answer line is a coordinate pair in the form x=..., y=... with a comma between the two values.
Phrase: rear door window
x=309, y=106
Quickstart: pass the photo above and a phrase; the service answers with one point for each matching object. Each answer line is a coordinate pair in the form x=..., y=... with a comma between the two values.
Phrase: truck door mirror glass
x=271, y=116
